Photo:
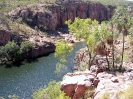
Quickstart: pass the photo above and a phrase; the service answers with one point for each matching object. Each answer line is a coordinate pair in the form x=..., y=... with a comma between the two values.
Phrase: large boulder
x=75, y=84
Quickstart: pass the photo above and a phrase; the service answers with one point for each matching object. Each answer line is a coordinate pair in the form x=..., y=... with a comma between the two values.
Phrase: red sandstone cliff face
x=6, y=36
x=40, y=48
x=46, y=16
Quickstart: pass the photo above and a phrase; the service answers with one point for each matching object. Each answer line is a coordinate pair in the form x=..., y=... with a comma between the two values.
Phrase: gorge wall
x=6, y=36
x=49, y=16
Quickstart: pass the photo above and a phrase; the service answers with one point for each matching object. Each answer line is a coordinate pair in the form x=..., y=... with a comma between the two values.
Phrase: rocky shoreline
x=76, y=84
x=46, y=16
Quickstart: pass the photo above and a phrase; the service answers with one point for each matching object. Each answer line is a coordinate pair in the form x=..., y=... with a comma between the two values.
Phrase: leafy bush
x=105, y=96
x=51, y=92
x=10, y=50
x=62, y=52
x=26, y=46
x=126, y=94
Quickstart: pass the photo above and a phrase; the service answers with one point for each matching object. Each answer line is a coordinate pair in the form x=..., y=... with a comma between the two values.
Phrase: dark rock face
x=38, y=51
x=51, y=16
x=42, y=48
x=6, y=36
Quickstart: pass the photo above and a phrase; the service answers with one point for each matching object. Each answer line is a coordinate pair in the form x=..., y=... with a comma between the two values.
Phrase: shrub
x=51, y=92
x=11, y=50
x=126, y=94
x=26, y=46
x=105, y=96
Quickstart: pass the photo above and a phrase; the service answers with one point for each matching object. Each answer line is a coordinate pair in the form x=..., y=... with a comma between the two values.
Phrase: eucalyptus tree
x=62, y=52
x=94, y=35
x=123, y=20
x=9, y=51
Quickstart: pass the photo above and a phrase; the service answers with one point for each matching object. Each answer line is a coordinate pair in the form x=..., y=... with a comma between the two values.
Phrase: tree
x=51, y=92
x=93, y=34
x=123, y=20
x=63, y=51
x=99, y=38
x=26, y=46
x=11, y=50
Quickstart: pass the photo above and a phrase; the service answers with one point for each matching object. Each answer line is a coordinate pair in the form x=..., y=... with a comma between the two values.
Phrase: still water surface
x=29, y=76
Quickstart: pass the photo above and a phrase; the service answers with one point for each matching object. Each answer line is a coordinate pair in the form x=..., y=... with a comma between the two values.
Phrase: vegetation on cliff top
x=11, y=50
x=7, y=5
x=99, y=38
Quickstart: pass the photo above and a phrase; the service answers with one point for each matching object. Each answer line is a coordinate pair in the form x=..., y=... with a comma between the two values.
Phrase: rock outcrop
x=113, y=83
x=6, y=36
x=75, y=84
x=49, y=16
x=42, y=46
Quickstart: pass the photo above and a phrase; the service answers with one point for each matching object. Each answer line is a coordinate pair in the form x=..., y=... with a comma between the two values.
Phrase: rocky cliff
x=105, y=84
x=6, y=36
x=49, y=16
x=42, y=45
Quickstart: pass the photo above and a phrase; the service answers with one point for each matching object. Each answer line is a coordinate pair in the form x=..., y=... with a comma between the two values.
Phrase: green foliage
x=29, y=20
x=92, y=32
x=62, y=51
x=123, y=19
x=88, y=93
x=51, y=92
x=105, y=96
x=7, y=5
x=20, y=20
x=126, y=94
x=60, y=67
x=26, y=46
x=111, y=2
x=14, y=96
x=97, y=36
x=11, y=50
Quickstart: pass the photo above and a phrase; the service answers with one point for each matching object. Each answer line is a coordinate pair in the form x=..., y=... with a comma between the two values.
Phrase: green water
x=27, y=77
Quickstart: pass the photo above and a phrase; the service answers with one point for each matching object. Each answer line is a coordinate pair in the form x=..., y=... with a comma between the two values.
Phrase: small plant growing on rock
x=51, y=92
x=105, y=96
x=126, y=94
